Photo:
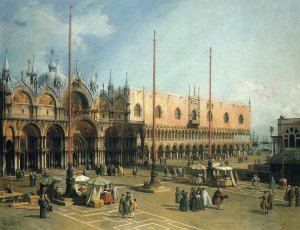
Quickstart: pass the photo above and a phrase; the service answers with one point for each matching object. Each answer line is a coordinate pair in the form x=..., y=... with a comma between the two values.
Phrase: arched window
x=241, y=119
x=194, y=115
x=226, y=117
x=209, y=115
x=158, y=112
x=137, y=110
x=177, y=114
x=292, y=138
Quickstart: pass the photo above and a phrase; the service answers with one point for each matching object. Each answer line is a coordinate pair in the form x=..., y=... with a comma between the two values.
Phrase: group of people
x=20, y=175
x=45, y=206
x=266, y=204
x=111, y=170
x=174, y=171
x=292, y=195
x=255, y=181
x=128, y=205
x=198, y=199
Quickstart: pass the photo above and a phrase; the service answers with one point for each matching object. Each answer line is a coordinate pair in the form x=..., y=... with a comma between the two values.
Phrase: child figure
x=264, y=205
x=134, y=207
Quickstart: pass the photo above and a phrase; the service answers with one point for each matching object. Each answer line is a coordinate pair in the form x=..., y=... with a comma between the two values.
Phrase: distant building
x=286, y=150
x=110, y=125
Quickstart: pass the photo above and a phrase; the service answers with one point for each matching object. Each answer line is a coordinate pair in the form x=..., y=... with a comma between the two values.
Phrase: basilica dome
x=50, y=76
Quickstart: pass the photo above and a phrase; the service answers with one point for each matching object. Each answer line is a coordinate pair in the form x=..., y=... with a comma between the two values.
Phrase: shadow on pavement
x=281, y=205
x=34, y=216
x=255, y=211
x=173, y=209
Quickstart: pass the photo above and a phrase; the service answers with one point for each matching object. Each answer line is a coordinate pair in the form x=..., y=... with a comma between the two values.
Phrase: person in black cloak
x=184, y=205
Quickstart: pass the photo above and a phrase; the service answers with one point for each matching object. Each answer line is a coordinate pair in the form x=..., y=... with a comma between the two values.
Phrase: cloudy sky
x=255, y=46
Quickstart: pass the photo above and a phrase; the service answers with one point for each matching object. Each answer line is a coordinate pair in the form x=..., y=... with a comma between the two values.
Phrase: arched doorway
x=30, y=144
x=10, y=164
x=187, y=151
x=84, y=142
x=168, y=152
x=195, y=154
x=160, y=152
x=112, y=146
x=174, y=151
x=55, y=145
x=128, y=147
x=201, y=151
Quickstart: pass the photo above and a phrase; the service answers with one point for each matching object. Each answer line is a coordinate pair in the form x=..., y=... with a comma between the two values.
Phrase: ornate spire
x=52, y=66
x=33, y=65
x=110, y=86
x=126, y=82
x=6, y=70
x=6, y=65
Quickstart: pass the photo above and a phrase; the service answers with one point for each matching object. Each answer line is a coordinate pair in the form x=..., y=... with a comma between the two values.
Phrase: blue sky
x=255, y=46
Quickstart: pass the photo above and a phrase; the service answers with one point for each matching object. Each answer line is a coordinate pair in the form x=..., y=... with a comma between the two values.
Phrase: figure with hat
x=178, y=195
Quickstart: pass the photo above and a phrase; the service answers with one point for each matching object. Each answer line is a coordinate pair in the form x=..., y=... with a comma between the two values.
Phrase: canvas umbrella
x=81, y=178
x=198, y=166
x=223, y=167
x=49, y=180
x=98, y=181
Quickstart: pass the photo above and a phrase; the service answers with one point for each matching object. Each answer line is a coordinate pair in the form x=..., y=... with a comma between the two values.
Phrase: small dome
x=49, y=77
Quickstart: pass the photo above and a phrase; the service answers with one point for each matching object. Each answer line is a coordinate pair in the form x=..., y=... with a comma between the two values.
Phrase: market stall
x=199, y=174
x=96, y=190
x=47, y=185
x=223, y=174
x=80, y=185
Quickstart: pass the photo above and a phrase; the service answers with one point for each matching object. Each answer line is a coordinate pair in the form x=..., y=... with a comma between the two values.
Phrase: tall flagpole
x=154, y=181
x=69, y=178
x=70, y=89
x=210, y=108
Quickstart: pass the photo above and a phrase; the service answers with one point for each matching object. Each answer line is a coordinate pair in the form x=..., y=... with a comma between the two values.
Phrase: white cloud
x=37, y=28
x=296, y=91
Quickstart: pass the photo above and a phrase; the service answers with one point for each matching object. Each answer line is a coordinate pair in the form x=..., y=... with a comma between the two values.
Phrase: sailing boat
x=254, y=140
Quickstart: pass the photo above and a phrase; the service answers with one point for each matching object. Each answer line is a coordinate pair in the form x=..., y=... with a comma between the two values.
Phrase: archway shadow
x=255, y=211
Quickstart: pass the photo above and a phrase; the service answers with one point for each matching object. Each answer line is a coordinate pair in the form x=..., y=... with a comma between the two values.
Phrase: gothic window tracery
x=292, y=138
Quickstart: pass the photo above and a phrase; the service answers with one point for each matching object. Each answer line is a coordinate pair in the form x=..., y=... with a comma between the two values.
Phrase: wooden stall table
x=14, y=197
x=224, y=182
x=107, y=198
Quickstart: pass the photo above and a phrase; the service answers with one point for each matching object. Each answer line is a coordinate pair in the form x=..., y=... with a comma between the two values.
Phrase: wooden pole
x=210, y=108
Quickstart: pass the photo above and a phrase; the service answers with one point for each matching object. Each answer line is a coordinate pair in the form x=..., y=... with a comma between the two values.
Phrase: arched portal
x=55, y=145
x=201, y=151
x=160, y=152
x=181, y=152
x=187, y=151
x=112, y=146
x=195, y=153
x=30, y=145
x=174, y=152
x=84, y=142
x=128, y=147
x=168, y=152
x=10, y=165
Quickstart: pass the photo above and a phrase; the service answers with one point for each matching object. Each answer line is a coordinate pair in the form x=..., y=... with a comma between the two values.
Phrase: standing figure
x=34, y=179
x=270, y=201
x=291, y=195
x=178, y=195
x=47, y=204
x=31, y=179
x=115, y=193
x=84, y=172
x=134, y=207
x=236, y=177
x=184, y=202
x=122, y=206
x=264, y=205
x=42, y=203
x=218, y=198
x=297, y=196
x=272, y=184
x=206, y=198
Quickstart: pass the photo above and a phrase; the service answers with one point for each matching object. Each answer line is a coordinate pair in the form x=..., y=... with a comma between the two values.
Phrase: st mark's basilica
x=110, y=124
